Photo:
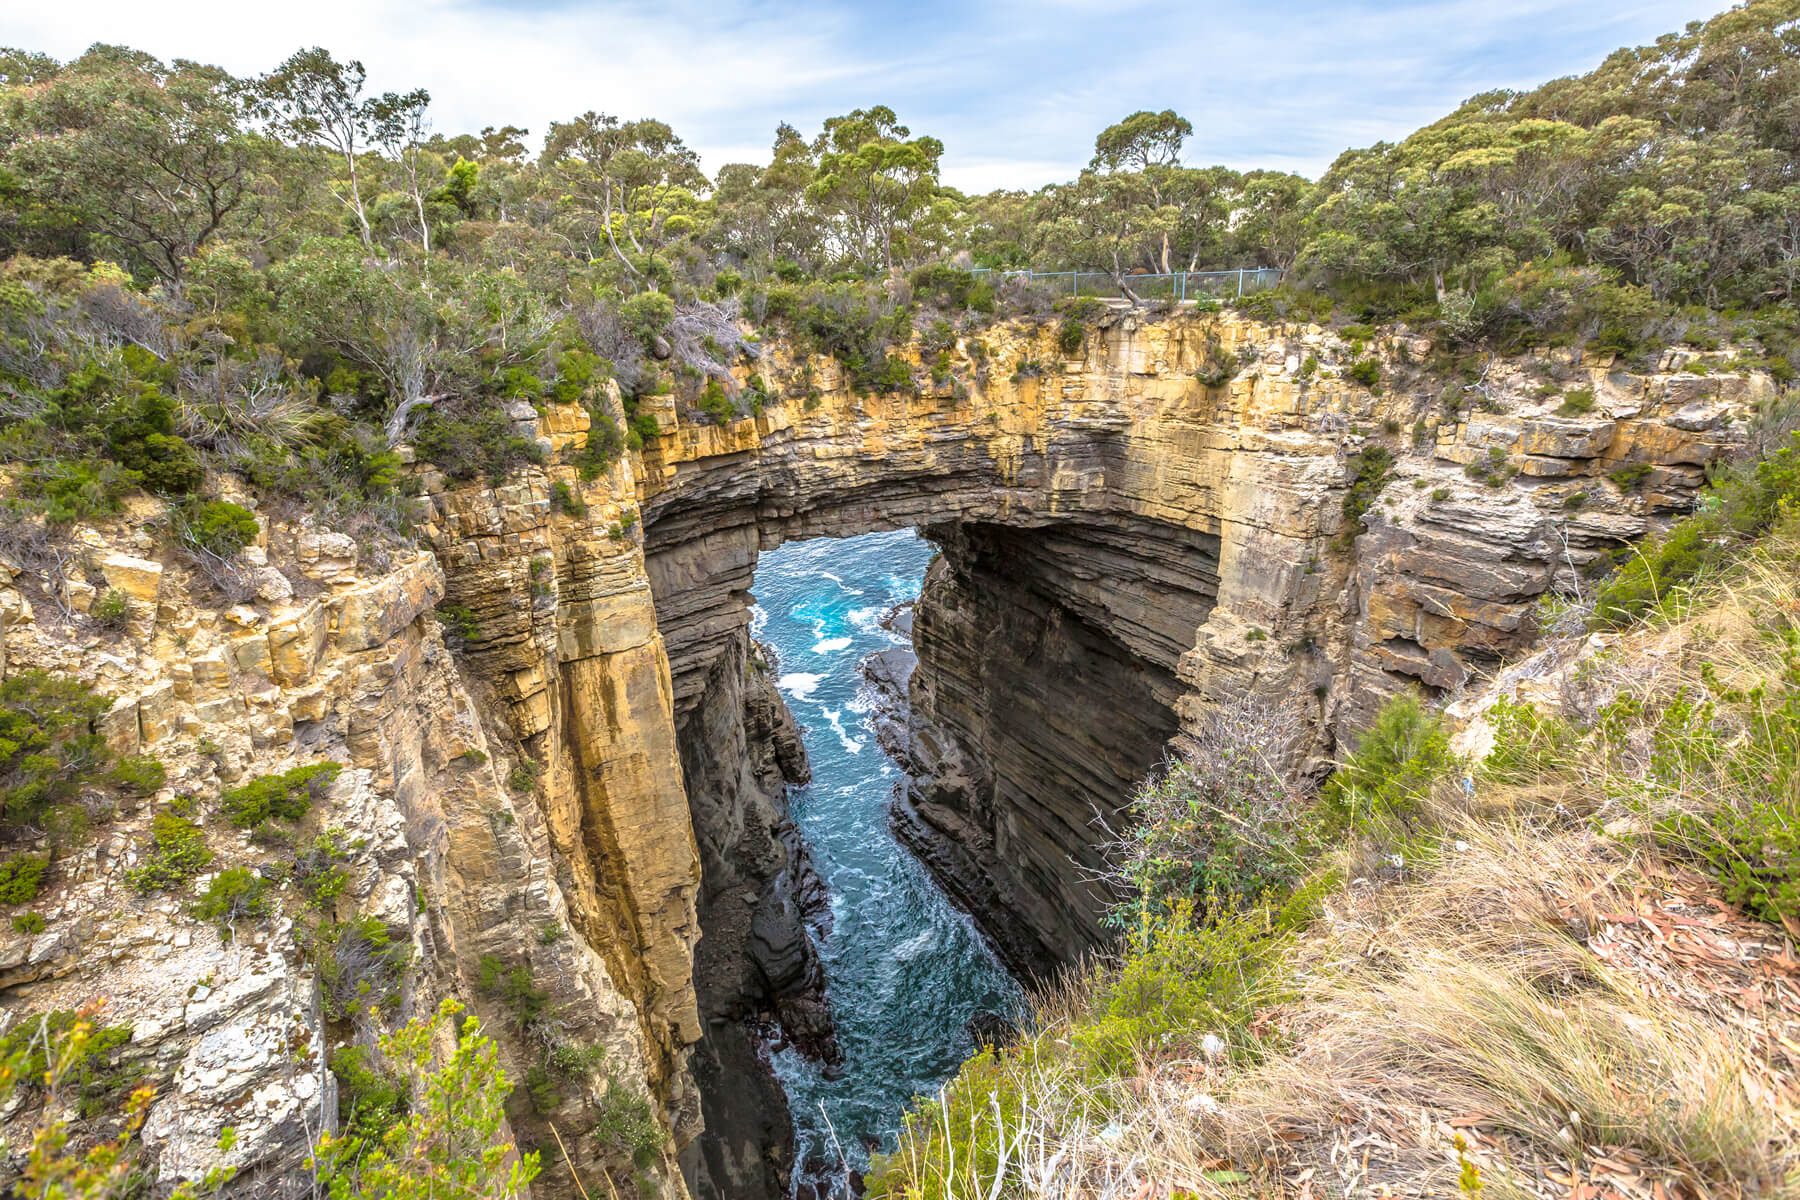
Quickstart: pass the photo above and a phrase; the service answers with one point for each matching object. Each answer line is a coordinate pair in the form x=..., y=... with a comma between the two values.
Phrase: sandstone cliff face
x=1124, y=545
x=588, y=878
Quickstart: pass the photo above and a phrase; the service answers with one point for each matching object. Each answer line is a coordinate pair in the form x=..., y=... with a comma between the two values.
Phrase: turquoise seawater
x=906, y=972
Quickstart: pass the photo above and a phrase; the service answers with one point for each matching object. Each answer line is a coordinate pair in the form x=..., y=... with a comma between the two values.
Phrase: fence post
x=1183, y=275
x=1240, y=283
x=1074, y=283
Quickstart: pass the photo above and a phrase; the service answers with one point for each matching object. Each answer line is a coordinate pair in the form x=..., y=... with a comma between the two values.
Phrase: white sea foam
x=799, y=684
x=851, y=745
x=831, y=645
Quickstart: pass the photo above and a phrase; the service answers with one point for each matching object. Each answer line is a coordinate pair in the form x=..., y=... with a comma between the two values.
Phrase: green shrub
x=98, y=1072
x=1369, y=474
x=31, y=924
x=1630, y=478
x=177, y=852
x=1069, y=336
x=542, y=1089
x=220, y=527
x=319, y=873
x=1723, y=782
x=943, y=286
x=21, y=876
x=1577, y=403
x=235, y=894
x=566, y=500
x=1393, y=768
x=111, y=609
x=371, y=1101
x=362, y=965
x=139, y=773
x=1366, y=371
x=605, y=445
x=1528, y=745
x=625, y=1126
x=49, y=750
x=715, y=403
x=523, y=777
x=285, y=797
x=1220, y=828
x=648, y=316
x=459, y=623
x=1181, y=980
x=512, y=987
x=1740, y=504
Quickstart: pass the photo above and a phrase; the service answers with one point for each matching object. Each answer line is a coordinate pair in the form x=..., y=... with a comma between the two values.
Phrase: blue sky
x=1015, y=90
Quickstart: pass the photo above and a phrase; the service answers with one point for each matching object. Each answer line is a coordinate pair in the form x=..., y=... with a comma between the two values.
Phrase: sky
x=1016, y=91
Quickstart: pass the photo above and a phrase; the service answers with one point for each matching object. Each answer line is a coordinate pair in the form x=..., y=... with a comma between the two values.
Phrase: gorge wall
x=590, y=785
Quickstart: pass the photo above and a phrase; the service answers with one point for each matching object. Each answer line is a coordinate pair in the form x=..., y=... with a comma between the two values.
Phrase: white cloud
x=1016, y=89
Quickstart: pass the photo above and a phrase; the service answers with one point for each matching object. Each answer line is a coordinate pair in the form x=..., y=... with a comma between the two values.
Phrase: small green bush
x=31, y=924
x=139, y=773
x=99, y=1075
x=1739, y=504
x=235, y=894
x=177, y=852
x=1528, y=745
x=1393, y=768
x=1366, y=371
x=523, y=777
x=715, y=403
x=512, y=987
x=1577, y=403
x=1219, y=828
x=459, y=623
x=1182, y=979
x=371, y=1101
x=1369, y=474
x=566, y=500
x=111, y=609
x=625, y=1126
x=49, y=750
x=20, y=877
x=319, y=873
x=1069, y=336
x=285, y=797
x=220, y=527
x=1630, y=478
x=361, y=964
x=1725, y=772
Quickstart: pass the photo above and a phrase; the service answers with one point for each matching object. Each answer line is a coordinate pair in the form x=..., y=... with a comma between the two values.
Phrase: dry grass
x=1533, y=1004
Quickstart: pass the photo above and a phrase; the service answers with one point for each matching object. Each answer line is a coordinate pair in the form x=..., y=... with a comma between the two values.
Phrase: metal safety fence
x=1177, y=285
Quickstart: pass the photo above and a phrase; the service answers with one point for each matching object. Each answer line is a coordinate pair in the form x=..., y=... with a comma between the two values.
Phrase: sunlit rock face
x=1124, y=545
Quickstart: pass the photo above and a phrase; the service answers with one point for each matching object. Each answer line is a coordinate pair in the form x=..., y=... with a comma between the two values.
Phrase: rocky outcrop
x=587, y=781
x=1156, y=525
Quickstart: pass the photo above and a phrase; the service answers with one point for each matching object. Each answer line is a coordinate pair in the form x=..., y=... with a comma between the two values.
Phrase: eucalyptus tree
x=873, y=178
x=621, y=177
x=149, y=160
x=312, y=99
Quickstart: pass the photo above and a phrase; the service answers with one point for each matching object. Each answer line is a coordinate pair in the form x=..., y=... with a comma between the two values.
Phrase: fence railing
x=1170, y=286
x=1177, y=285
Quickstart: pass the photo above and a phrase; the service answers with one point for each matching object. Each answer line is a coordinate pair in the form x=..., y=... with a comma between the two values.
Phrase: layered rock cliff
x=580, y=772
x=1157, y=524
